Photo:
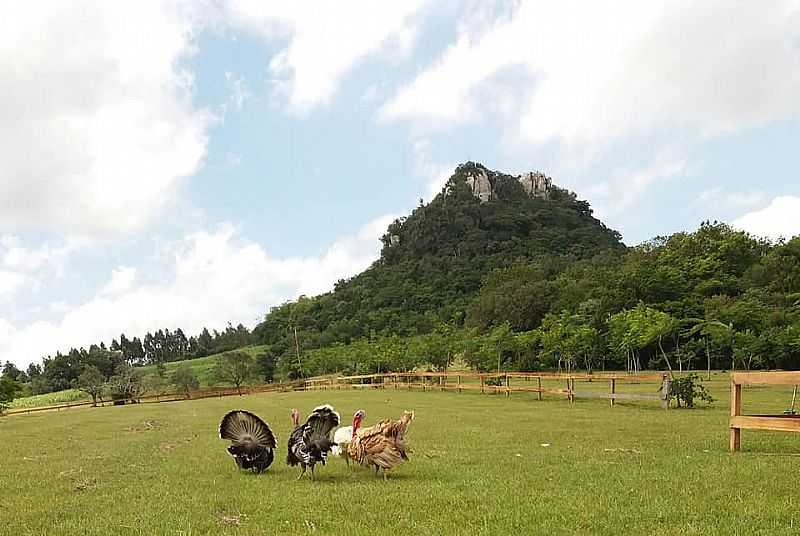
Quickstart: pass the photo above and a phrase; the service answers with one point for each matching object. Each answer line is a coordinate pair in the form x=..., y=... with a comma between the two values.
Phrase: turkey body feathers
x=252, y=440
x=310, y=442
x=383, y=445
x=342, y=438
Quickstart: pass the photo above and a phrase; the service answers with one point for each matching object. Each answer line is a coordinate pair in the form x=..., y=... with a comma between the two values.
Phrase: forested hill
x=433, y=262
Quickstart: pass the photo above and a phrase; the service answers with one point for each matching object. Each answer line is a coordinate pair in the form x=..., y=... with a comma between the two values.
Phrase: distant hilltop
x=482, y=181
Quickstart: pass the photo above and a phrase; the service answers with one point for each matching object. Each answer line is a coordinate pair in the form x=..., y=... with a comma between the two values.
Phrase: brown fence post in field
x=459, y=383
x=508, y=386
x=482, y=384
x=666, y=386
x=613, y=390
x=539, y=382
x=736, y=411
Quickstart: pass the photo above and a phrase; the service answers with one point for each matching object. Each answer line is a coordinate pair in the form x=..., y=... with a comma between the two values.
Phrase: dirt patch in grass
x=230, y=520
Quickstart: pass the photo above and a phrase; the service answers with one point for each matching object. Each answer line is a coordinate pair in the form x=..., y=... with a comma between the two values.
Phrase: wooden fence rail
x=487, y=383
x=738, y=422
x=500, y=383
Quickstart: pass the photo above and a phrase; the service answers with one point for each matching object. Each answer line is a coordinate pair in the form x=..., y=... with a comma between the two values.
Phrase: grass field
x=50, y=399
x=478, y=466
x=203, y=367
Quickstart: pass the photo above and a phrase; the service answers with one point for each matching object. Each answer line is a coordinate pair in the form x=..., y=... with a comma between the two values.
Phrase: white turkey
x=344, y=434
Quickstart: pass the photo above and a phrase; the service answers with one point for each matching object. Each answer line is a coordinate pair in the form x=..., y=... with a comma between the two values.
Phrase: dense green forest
x=517, y=282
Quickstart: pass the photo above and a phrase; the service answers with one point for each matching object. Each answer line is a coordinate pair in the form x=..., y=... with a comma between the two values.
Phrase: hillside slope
x=433, y=262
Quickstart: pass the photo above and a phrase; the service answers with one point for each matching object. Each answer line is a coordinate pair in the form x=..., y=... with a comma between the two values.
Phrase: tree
x=235, y=368
x=11, y=370
x=265, y=362
x=92, y=381
x=126, y=383
x=8, y=390
x=185, y=380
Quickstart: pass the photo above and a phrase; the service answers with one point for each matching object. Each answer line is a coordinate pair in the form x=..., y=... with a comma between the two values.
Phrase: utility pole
x=297, y=351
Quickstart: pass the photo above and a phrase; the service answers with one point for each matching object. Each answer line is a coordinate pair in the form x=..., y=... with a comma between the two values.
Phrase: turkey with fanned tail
x=252, y=440
x=310, y=442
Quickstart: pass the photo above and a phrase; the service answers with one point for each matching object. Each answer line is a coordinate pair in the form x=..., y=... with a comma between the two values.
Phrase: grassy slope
x=50, y=399
x=477, y=467
x=203, y=367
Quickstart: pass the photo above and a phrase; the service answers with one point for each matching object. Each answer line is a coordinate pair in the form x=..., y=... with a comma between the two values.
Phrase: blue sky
x=181, y=164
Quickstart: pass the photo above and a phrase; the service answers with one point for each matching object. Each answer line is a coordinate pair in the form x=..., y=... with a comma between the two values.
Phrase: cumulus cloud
x=10, y=282
x=217, y=277
x=325, y=40
x=776, y=220
x=433, y=173
x=599, y=71
x=122, y=279
x=719, y=198
x=98, y=124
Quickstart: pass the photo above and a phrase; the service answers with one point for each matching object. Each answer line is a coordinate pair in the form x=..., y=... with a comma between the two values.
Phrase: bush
x=185, y=380
x=687, y=389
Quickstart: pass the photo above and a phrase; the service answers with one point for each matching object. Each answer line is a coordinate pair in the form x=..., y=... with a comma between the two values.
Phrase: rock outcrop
x=482, y=182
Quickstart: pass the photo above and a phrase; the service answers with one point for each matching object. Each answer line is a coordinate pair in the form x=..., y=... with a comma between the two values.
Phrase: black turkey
x=252, y=440
x=310, y=442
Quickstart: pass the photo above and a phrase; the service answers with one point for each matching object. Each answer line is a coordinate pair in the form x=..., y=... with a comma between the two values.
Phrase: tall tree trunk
x=663, y=353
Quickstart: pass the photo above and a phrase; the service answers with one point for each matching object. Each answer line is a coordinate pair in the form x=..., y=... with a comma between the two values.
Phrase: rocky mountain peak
x=482, y=182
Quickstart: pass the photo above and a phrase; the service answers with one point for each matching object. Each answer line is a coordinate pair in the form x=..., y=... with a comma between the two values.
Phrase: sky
x=176, y=163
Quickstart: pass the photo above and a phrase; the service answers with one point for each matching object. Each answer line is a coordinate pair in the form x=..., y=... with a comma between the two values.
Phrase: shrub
x=185, y=380
x=688, y=388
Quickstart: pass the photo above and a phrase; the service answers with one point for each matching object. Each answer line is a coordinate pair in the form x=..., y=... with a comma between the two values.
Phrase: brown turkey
x=382, y=446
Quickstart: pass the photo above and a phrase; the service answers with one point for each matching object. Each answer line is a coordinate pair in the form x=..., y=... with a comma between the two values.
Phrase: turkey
x=382, y=446
x=344, y=434
x=252, y=440
x=311, y=441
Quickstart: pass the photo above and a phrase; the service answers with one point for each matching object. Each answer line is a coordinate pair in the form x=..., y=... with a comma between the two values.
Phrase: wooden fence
x=738, y=422
x=501, y=383
x=490, y=383
x=210, y=392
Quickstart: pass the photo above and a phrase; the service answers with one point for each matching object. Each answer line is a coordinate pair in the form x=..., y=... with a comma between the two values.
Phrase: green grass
x=203, y=367
x=51, y=399
x=477, y=467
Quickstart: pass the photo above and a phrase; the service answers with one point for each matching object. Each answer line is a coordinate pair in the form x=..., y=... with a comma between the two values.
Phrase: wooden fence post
x=539, y=381
x=613, y=390
x=508, y=386
x=459, y=383
x=482, y=384
x=666, y=385
x=736, y=410
x=569, y=392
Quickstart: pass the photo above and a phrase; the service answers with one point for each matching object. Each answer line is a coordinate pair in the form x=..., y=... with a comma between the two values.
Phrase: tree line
x=716, y=298
x=63, y=370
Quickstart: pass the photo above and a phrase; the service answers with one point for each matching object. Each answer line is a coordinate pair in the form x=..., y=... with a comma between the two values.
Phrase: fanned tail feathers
x=320, y=423
x=252, y=440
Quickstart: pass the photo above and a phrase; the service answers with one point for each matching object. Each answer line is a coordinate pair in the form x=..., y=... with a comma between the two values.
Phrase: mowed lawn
x=479, y=466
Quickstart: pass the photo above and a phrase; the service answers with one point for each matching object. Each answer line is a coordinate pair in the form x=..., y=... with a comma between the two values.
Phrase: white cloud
x=434, y=173
x=627, y=185
x=15, y=255
x=326, y=40
x=10, y=282
x=600, y=71
x=776, y=220
x=239, y=91
x=122, y=279
x=98, y=124
x=216, y=277
x=720, y=199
